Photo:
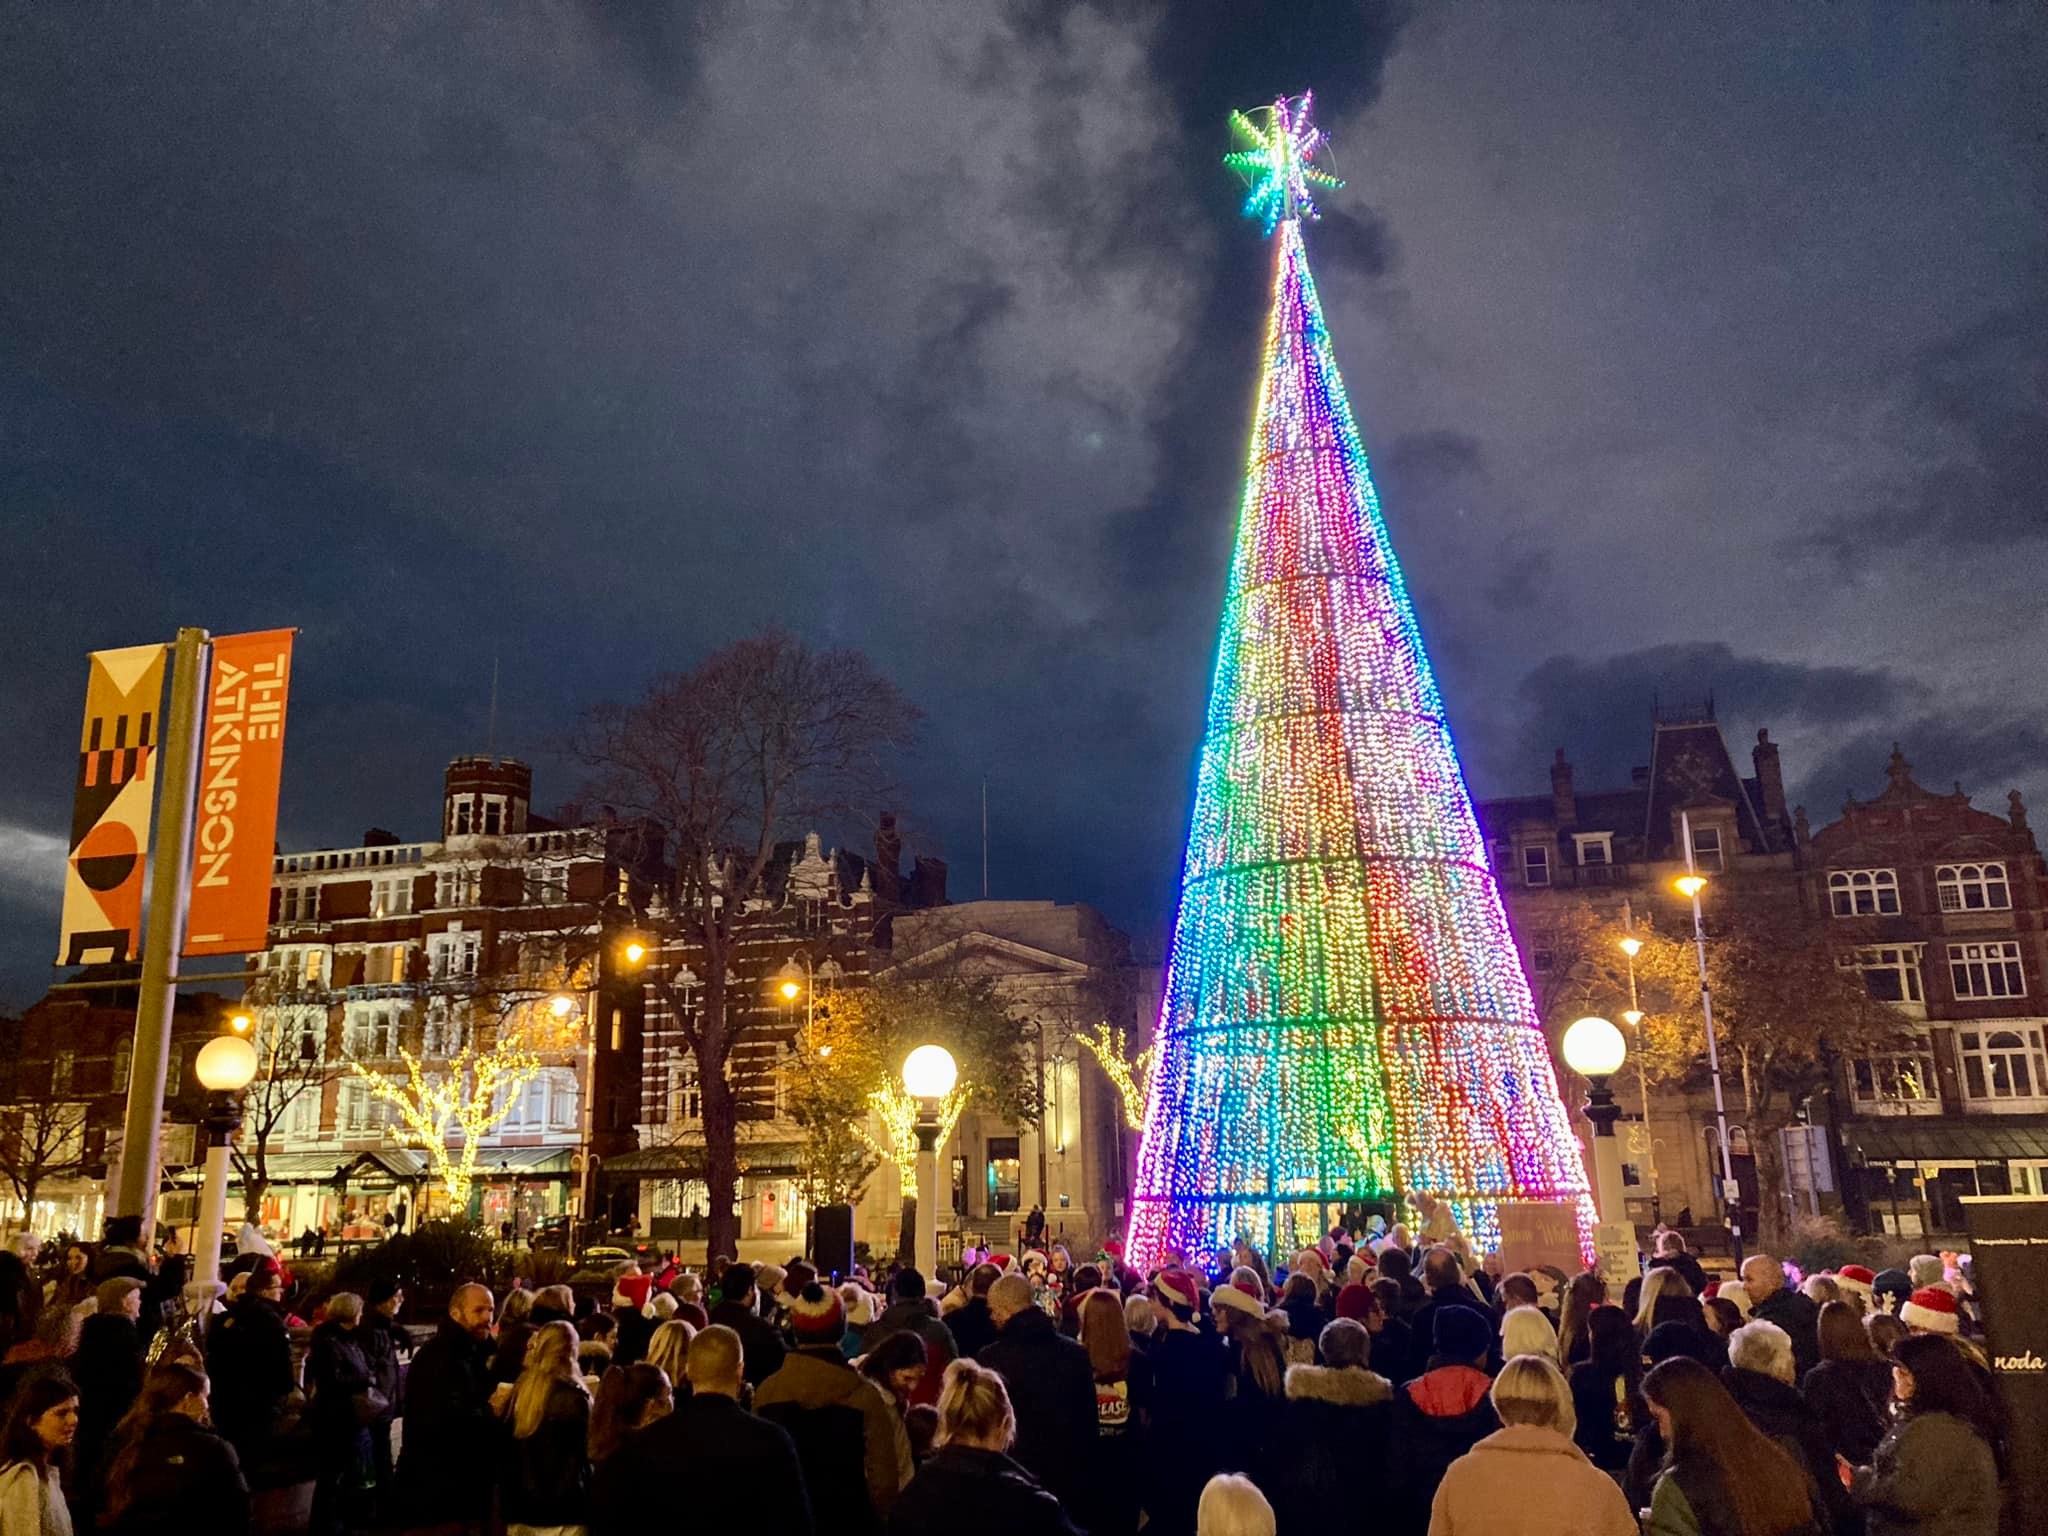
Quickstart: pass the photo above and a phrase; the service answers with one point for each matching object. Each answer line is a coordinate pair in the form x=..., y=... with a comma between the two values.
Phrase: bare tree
x=291, y=1064
x=759, y=743
x=41, y=1138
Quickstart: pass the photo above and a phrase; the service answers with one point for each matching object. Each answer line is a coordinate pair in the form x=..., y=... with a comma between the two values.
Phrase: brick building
x=394, y=944
x=1942, y=907
x=1618, y=846
x=64, y=1096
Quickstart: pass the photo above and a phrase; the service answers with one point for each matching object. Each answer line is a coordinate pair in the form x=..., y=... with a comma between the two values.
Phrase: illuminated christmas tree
x=1346, y=1017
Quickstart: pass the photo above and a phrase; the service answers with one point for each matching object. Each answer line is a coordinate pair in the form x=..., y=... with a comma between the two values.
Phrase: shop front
x=1911, y=1175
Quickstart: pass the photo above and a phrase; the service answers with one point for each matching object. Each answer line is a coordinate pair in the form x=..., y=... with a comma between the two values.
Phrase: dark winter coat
x=443, y=1473
x=1691, y=1498
x=1123, y=1405
x=965, y=1489
x=249, y=1358
x=1851, y=1400
x=1391, y=1349
x=973, y=1327
x=1332, y=1442
x=1782, y=1414
x=108, y=1370
x=1609, y=1413
x=382, y=1340
x=337, y=1373
x=1191, y=1377
x=544, y=1479
x=1304, y=1329
x=761, y=1347
x=1422, y=1327
x=1795, y=1312
x=1933, y=1475
x=1688, y=1269
x=185, y=1477
x=848, y=1435
x=729, y=1469
x=1052, y=1390
x=636, y=1331
x=1438, y=1417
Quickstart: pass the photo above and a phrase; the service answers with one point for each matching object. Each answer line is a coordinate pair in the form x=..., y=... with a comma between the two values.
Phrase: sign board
x=234, y=836
x=1615, y=1254
x=112, y=804
x=1534, y=1233
x=2009, y=1264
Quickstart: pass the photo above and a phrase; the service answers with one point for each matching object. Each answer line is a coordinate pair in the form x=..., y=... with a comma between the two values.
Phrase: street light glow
x=226, y=1064
x=561, y=1005
x=1631, y=946
x=634, y=952
x=791, y=991
x=929, y=1072
x=1634, y=1016
x=1593, y=1047
x=1690, y=885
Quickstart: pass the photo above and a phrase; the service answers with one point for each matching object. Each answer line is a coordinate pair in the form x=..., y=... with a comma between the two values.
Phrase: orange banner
x=111, y=806
x=235, y=828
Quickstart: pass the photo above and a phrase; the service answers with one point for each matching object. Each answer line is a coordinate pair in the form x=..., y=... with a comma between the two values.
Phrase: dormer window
x=1594, y=847
x=1706, y=849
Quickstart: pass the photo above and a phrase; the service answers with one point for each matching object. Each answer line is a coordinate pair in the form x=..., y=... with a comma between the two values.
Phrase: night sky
x=1696, y=347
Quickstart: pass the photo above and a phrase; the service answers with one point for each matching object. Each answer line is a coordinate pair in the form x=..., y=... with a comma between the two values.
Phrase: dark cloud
x=1986, y=756
x=1600, y=710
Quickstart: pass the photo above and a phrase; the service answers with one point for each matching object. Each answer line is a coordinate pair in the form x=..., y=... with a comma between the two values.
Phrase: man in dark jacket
x=741, y=1471
x=1445, y=1280
x=1443, y=1413
x=108, y=1370
x=762, y=1344
x=249, y=1357
x=848, y=1435
x=972, y=1328
x=384, y=1341
x=445, y=1472
x=338, y=1377
x=1760, y=1379
x=1771, y=1300
x=909, y=1308
x=1052, y=1391
x=1671, y=1254
x=1191, y=1377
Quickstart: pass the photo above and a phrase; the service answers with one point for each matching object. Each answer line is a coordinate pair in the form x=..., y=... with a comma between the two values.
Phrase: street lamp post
x=225, y=1067
x=1594, y=1049
x=1633, y=1015
x=1691, y=883
x=928, y=1076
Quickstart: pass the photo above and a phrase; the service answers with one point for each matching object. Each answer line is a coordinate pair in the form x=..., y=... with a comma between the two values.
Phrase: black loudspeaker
x=832, y=1240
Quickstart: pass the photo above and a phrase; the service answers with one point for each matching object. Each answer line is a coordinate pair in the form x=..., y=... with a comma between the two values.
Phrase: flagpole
x=170, y=860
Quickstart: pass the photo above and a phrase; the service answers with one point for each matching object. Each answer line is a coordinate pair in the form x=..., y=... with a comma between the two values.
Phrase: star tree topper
x=1277, y=161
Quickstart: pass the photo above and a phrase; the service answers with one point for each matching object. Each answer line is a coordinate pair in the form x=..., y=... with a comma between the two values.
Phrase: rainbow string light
x=1346, y=1017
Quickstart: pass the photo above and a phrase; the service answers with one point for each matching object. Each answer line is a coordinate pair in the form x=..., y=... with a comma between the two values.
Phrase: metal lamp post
x=1691, y=883
x=225, y=1067
x=928, y=1076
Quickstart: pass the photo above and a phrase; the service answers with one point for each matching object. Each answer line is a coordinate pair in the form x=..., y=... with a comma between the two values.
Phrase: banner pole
x=170, y=861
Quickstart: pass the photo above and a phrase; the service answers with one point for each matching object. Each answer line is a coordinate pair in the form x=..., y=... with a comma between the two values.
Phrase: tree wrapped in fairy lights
x=1346, y=1017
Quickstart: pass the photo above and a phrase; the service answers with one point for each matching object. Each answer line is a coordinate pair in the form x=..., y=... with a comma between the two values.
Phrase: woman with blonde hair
x=971, y=1476
x=1233, y=1506
x=1526, y=1331
x=545, y=1474
x=1529, y=1476
x=670, y=1349
x=1666, y=1298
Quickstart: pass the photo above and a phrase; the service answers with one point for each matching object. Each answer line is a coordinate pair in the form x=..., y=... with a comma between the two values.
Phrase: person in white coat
x=41, y=1425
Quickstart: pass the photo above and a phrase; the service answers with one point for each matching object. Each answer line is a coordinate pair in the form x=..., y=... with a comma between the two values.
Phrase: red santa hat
x=1177, y=1288
x=1230, y=1298
x=632, y=1291
x=1855, y=1278
x=1931, y=1309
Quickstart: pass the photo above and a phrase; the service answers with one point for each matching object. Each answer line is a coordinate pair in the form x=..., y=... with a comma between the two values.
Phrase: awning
x=524, y=1161
x=768, y=1160
x=1978, y=1139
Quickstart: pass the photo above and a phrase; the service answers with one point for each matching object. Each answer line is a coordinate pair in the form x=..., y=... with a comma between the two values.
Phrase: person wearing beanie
x=859, y=1303
x=1443, y=1412
x=1392, y=1340
x=910, y=1307
x=761, y=1344
x=1889, y=1290
x=1925, y=1269
x=769, y=1299
x=1192, y=1376
x=816, y=1395
x=1931, y=1309
x=1444, y=1278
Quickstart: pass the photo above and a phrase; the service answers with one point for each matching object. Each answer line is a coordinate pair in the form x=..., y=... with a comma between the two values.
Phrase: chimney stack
x=1770, y=778
x=1564, y=804
x=888, y=859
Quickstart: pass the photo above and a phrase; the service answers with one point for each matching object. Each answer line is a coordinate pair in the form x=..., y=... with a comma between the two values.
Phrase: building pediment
x=984, y=954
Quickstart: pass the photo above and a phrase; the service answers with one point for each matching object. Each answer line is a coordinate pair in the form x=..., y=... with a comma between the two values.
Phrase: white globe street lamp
x=225, y=1067
x=929, y=1074
x=1595, y=1050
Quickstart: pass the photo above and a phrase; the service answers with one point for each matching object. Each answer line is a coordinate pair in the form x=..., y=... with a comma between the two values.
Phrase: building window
x=1706, y=849
x=686, y=1094
x=391, y=897
x=1595, y=847
x=453, y=956
x=299, y=904
x=1898, y=1078
x=1972, y=888
x=1863, y=893
x=1986, y=970
x=463, y=810
x=1891, y=972
x=2004, y=1064
x=62, y=1066
x=456, y=888
x=494, y=816
x=551, y=887
x=1535, y=865
x=1005, y=1176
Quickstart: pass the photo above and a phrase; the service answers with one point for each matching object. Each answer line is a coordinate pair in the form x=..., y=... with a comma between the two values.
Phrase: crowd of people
x=1032, y=1394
